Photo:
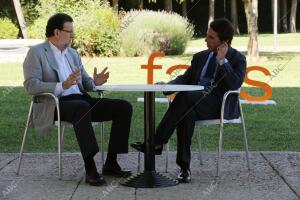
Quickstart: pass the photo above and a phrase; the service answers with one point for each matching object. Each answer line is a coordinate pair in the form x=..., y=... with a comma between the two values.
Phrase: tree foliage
x=96, y=24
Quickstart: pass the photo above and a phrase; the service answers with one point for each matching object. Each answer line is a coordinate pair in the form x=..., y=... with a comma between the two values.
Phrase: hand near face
x=102, y=77
x=222, y=50
x=71, y=80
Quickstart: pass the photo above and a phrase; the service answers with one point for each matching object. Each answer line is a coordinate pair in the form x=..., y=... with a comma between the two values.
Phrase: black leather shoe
x=94, y=179
x=115, y=172
x=184, y=176
x=140, y=146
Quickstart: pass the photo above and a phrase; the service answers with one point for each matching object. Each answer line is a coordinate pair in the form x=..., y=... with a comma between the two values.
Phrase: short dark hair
x=224, y=29
x=57, y=22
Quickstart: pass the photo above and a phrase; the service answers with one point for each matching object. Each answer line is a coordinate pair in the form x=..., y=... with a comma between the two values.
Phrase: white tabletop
x=149, y=88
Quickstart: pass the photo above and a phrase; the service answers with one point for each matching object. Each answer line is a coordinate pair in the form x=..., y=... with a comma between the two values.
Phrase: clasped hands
x=99, y=78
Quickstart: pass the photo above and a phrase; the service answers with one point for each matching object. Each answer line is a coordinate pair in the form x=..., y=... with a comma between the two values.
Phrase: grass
x=269, y=127
x=287, y=39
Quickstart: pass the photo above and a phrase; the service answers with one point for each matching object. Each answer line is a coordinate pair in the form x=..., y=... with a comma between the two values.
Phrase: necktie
x=209, y=70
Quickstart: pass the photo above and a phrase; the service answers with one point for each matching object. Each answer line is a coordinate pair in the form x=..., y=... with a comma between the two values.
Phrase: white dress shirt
x=64, y=70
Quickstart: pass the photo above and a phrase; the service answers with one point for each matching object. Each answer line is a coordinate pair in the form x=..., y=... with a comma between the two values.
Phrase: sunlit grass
x=287, y=39
x=272, y=127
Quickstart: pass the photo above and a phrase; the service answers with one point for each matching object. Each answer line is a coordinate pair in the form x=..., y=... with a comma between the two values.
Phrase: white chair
x=221, y=122
x=60, y=133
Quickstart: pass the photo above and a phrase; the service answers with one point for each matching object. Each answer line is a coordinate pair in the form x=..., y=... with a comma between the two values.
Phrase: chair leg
x=245, y=135
x=102, y=142
x=220, y=148
x=167, y=156
x=199, y=147
x=24, y=138
x=59, y=142
x=62, y=138
x=246, y=144
x=139, y=162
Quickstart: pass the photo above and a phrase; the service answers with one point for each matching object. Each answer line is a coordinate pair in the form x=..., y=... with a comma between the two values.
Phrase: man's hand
x=222, y=50
x=71, y=80
x=102, y=77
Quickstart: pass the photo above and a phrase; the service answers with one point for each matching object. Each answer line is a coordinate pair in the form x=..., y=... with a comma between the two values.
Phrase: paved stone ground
x=273, y=175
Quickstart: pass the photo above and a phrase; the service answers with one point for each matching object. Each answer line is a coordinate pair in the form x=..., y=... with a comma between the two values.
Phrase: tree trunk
x=251, y=15
x=20, y=17
x=234, y=17
x=141, y=5
x=115, y=5
x=284, y=14
x=168, y=5
x=293, y=16
x=184, y=8
x=211, y=11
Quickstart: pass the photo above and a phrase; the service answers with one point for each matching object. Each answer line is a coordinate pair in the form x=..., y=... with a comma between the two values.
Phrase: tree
x=284, y=14
x=293, y=16
x=211, y=12
x=141, y=5
x=168, y=6
x=251, y=10
x=20, y=17
x=184, y=8
x=115, y=5
x=234, y=17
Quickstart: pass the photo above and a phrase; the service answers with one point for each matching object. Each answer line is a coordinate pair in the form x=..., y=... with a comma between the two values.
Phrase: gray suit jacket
x=41, y=75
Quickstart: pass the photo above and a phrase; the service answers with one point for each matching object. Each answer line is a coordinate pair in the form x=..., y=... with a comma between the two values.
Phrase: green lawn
x=269, y=127
x=287, y=39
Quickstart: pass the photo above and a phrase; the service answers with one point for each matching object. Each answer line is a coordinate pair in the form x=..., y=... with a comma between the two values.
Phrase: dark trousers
x=186, y=108
x=82, y=110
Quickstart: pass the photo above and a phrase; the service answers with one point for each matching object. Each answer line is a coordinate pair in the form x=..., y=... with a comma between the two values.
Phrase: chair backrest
x=231, y=107
x=231, y=110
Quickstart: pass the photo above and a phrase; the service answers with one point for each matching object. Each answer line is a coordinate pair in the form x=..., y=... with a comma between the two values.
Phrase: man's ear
x=56, y=32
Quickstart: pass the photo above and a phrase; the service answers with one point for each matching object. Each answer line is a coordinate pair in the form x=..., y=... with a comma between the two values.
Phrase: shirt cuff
x=222, y=62
x=58, y=89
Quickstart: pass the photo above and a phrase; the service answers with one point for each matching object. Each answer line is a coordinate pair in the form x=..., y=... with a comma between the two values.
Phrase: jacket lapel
x=73, y=67
x=50, y=56
x=200, y=64
x=70, y=60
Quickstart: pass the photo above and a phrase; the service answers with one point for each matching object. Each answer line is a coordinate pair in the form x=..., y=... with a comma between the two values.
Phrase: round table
x=149, y=178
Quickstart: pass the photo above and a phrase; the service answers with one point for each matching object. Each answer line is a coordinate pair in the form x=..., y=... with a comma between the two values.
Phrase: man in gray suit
x=55, y=67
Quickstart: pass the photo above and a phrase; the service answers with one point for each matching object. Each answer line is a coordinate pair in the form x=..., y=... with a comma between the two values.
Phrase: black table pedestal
x=149, y=178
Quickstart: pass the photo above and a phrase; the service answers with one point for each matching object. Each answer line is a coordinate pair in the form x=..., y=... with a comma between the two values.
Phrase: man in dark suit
x=54, y=67
x=219, y=68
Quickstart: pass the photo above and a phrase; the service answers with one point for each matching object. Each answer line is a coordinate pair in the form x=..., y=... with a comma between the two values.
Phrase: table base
x=150, y=179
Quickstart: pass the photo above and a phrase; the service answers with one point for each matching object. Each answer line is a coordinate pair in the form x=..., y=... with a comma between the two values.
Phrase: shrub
x=8, y=30
x=96, y=25
x=145, y=31
x=97, y=32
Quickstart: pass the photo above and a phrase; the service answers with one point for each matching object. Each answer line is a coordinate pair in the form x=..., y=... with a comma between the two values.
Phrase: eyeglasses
x=68, y=31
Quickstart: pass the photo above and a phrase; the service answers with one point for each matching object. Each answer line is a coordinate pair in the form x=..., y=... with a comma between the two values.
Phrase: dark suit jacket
x=229, y=76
